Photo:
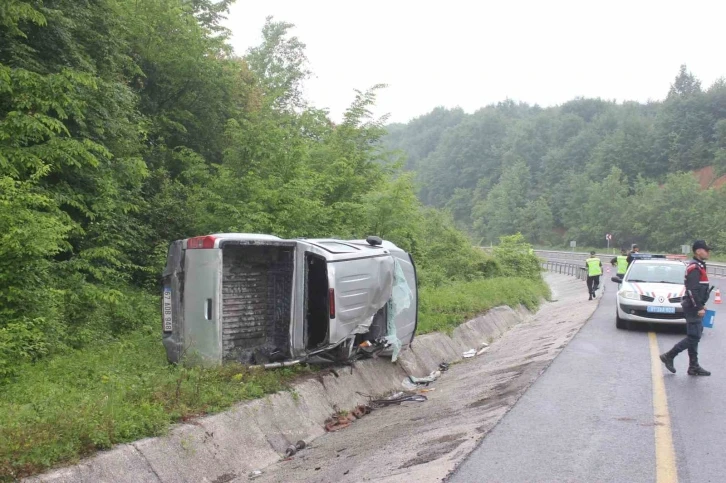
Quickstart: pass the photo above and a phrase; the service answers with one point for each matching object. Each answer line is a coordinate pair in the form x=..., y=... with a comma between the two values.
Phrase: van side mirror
x=616, y=279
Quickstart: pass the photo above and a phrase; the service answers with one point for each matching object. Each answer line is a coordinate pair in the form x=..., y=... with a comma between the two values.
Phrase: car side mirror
x=616, y=279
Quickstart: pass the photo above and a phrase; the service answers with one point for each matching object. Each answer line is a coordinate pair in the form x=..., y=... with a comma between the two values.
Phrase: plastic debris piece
x=255, y=474
x=408, y=385
x=482, y=351
x=468, y=354
x=444, y=366
x=411, y=383
x=426, y=380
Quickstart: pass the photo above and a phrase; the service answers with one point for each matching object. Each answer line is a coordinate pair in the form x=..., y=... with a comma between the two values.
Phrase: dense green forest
x=579, y=170
x=126, y=124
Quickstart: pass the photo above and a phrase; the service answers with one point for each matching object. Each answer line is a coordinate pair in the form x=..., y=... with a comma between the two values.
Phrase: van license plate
x=167, y=310
x=654, y=309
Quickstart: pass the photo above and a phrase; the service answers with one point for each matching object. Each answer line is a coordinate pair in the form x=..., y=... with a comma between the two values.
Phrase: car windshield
x=645, y=272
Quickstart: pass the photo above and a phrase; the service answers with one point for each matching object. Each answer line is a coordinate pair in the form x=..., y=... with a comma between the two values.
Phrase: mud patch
x=515, y=371
x=537, y=354
x=430, y=454
x=503, y=386
x=448, y=438
x=494, y=401
x=225, y=478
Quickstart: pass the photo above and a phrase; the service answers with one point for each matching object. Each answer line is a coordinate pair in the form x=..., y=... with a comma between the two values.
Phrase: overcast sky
x=472, y=53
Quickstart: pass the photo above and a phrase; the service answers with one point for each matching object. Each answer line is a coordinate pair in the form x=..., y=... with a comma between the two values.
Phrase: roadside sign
x=685, y=249
x=573, y=244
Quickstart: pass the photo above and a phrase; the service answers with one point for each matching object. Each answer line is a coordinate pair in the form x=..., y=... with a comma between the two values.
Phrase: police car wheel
x=620, y=323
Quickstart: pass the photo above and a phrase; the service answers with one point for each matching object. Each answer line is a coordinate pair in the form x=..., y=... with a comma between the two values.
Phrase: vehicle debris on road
x=341, y=420
x=294, y=448
x=411, y=382
x=397, y=399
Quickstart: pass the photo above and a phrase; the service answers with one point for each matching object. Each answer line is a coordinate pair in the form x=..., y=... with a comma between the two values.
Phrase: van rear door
x=202, y=325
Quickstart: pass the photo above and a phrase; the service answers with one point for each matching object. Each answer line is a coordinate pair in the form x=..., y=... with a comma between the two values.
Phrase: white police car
x=651, y=292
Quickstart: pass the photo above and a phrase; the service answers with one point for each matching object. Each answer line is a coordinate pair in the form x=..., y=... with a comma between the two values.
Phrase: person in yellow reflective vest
x=594, y=270
x=621, y=261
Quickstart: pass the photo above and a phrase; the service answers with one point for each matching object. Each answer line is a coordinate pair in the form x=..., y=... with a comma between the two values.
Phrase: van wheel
x=620, y=323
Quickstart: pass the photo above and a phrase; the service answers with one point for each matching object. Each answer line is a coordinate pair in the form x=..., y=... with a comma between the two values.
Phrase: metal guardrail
x=565, y=268
x=716, y=269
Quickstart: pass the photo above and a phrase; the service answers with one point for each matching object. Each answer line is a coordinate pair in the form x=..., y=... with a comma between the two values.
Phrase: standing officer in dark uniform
x=694, y=308
x=630, y=255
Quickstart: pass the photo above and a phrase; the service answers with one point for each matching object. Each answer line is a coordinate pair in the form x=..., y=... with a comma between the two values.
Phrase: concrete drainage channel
x=237, y=444
x=255, y=434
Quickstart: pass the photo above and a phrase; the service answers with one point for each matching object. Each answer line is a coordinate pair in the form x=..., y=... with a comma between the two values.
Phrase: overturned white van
x=260, y=299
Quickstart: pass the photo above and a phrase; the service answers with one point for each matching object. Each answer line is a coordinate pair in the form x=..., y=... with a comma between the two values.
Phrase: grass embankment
x=445, y=308
x=67, y=407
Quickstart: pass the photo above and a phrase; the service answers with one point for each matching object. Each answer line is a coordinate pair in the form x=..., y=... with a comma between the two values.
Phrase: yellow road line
x=665, y=453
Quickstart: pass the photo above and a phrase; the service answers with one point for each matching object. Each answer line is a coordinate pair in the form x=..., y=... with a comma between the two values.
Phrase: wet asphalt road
x=590, y=416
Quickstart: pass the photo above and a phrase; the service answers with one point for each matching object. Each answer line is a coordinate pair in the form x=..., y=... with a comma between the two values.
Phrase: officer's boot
x=667, y=359
x=698, y=371
x=694, y=369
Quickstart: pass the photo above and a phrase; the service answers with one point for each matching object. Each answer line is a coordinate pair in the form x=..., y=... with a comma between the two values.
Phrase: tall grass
x=67, y=407
x=444, y=308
